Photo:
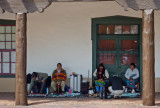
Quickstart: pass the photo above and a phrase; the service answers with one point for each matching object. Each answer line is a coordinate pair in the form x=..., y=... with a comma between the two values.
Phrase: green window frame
x=114, y=20
x=7, y=48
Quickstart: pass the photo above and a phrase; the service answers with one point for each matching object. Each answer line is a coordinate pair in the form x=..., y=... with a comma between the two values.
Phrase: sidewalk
x=7, y=101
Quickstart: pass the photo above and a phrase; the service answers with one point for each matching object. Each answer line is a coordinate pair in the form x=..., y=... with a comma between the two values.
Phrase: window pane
x=8, y=29
x=13, y=45
x=134, y=29
x=107, y=45
x=127, y=59
x=107, y=59
x=8, y=37
x=13, y=56
x=5, y=56
x=13, y=37
x=110, y=29
x=118, y=29
x=13, y=68
x=13, y=29
x=129, y=45
x=2, y=45
x=2, y=37
x=5, y=67
x=102, y=29
x=2, y=30
x=126, y=29
x=8, y=45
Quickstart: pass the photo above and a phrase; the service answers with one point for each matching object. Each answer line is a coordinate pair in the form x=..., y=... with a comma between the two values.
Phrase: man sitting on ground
x=58, y=78
x=116, y=86
x=38, y=80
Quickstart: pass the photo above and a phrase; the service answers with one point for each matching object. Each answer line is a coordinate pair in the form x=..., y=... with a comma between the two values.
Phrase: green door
x=128, y=52
x=107, y=53
x=117, y=52
x=117, y=42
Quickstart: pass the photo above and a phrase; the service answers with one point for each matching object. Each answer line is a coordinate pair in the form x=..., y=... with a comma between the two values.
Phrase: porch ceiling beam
x=139, y=4
x=30, y=6
x=23, y=6
x=80, y=0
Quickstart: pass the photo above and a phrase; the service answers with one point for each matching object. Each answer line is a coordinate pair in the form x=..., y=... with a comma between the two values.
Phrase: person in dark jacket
x=38, y=80
x=116, y=86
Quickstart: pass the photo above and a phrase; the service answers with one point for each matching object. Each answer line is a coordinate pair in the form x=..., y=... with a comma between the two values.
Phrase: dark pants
x=104, y=92
x=106, y=89
x=39, y=87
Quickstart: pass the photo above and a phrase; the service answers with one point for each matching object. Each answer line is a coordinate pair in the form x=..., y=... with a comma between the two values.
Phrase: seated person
x=100, y=74
x=38, y=82
x=58, y=78
x=132, y=76
x=116, y=86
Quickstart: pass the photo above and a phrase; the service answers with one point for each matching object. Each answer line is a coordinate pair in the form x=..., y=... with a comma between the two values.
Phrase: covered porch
x=21, y=53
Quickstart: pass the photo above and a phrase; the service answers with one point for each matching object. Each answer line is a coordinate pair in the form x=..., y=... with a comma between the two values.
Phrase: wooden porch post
x=148, y=58
x=21, y=55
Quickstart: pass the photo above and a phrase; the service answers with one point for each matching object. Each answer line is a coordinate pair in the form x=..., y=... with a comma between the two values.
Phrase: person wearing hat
x=38, y=79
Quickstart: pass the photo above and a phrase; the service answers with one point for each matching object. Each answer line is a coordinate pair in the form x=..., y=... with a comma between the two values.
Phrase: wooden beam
x=30, y=6
x=80, y=0
x=148, y=58
x=21, y=55
x=139, y=4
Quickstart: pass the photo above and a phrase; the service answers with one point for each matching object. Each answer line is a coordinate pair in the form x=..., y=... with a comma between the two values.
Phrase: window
x=129, y=45
x=107, y=45
x=107, y=59
x=7, y=48
x=118, y=29
x=127, y=59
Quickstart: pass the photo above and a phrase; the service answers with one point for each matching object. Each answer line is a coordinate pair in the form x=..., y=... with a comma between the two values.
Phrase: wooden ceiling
x=140, y=4
x=30, y=6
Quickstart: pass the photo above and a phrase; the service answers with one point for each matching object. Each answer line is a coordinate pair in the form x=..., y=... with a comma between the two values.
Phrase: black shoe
x=108, y=97
x=101, y=95
x=62, y=92
x=116, y=97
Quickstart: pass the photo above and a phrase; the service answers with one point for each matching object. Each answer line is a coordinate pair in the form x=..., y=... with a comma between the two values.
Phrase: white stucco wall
x=157, y=44
x=63, y=34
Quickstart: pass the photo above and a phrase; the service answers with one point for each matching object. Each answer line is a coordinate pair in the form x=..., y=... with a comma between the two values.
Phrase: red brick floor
x=7, y=101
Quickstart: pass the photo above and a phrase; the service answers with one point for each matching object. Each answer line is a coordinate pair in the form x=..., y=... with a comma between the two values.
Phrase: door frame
x=119, y=20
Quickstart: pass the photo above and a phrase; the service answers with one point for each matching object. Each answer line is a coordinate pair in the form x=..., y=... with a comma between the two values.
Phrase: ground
x=7, y=101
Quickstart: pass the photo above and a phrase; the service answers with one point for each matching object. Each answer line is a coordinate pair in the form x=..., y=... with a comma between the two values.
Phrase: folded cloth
x=100, y=82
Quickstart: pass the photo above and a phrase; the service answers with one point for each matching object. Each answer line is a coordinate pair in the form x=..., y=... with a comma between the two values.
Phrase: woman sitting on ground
x=100, y=74
x=132, y=76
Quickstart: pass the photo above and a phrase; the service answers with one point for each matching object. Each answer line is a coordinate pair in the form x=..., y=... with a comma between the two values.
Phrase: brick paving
x=7, y=101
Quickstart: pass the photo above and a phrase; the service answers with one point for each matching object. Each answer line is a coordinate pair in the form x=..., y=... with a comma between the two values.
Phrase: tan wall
x=157, y=84
x=7, y=84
